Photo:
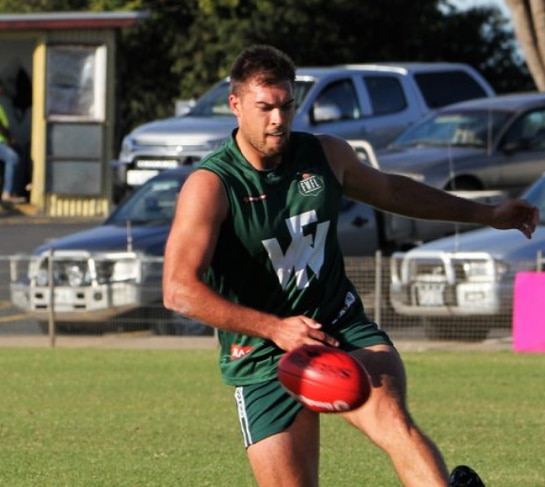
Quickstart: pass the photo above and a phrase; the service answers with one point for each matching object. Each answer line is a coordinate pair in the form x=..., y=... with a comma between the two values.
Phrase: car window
x=215, y=102
x=300, y=91
x=528, y=131
x=455, y=128
x=337, y=101
x=446, y=87
x=154, y=201
x=386, y=94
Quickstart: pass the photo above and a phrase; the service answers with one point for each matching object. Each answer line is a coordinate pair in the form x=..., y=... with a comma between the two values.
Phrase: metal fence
x=115, y=296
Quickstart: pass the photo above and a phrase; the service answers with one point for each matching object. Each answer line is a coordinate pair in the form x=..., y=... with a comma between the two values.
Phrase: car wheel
x=82, y=328
x=464, y=184
x=162, y=327
x=44, y=327
x=454, y=329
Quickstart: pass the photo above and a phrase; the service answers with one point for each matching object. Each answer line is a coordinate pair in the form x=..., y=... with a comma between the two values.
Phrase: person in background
x=8, y=156
x=253, y=252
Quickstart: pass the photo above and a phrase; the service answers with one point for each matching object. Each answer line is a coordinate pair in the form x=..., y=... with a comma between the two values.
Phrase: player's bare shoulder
x=203, y=190
x=204, y=182
x=340, y=154
x=333, y=144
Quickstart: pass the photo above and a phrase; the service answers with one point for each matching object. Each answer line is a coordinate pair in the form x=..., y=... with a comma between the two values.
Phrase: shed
x=58, y=70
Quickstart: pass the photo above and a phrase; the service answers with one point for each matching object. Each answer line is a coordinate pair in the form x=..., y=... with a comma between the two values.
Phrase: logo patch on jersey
x=310, y=184
x=304, y=257
x=237, y=351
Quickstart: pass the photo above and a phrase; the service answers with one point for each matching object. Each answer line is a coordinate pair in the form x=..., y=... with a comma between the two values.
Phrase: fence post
x=51, y=320
x=378, y=286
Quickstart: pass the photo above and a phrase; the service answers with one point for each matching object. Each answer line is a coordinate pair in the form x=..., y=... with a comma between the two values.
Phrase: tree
x=529, y=25
x=482, y=37
x=186, y=46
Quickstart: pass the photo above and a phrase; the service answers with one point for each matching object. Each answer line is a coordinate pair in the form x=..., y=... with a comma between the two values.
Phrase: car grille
x=432, y=280
x=162, y=163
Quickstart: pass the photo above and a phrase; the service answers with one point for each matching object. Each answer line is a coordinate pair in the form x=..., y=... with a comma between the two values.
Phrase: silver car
x=371, y=102
x=495, y=143
x=471, y=275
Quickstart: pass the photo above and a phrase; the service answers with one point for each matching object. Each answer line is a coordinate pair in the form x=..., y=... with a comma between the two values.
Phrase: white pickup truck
x=374, y=102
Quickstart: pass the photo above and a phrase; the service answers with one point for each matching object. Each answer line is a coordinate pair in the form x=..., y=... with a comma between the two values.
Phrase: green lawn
x=72, y=417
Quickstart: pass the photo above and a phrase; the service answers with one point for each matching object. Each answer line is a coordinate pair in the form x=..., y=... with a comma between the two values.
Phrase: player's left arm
x=402, y=195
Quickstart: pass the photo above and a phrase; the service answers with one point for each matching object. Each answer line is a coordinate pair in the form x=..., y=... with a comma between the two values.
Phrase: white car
x=467, y=276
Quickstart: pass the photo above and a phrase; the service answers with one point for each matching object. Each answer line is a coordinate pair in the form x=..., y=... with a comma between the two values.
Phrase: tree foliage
x=186, y=46
x=205, y=35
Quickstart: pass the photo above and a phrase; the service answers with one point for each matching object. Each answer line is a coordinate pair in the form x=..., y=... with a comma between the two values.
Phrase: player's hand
x=300, y=330
x=517, y=214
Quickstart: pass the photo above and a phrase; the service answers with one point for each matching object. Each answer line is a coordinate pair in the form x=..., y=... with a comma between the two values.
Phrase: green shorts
x=266, y=408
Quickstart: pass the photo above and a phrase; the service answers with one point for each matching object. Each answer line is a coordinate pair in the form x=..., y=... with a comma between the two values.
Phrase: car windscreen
x=474, y=128
x=215, y=102
x=154, y=202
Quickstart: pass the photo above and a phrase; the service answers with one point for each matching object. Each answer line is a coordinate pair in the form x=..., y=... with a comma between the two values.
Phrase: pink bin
x=529, y=312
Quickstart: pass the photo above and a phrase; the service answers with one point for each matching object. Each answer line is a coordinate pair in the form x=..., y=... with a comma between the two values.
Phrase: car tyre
x=82, y=328
x=454, y=329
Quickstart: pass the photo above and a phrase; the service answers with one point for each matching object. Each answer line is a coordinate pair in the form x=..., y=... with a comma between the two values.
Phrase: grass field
x=72, y=417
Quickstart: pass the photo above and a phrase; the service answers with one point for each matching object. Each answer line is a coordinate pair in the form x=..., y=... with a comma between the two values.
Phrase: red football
x=324, y=379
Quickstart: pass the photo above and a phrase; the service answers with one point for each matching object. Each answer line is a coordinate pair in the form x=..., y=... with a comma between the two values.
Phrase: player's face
x=265, y=115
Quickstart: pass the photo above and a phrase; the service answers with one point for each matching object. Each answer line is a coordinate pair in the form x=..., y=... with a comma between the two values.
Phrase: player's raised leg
x=385, y=419
x=289, y=458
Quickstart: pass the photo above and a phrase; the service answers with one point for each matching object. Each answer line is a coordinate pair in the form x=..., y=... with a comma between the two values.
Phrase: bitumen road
x=22, y=228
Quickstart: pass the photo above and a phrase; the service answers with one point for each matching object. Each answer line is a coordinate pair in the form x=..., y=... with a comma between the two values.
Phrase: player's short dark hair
x=266, y=63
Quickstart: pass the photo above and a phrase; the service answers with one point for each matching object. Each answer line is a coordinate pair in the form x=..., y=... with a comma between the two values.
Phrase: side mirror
x=326, y=113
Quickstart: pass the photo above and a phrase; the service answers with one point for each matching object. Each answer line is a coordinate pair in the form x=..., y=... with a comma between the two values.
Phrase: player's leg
x=289, y=458
x=384, y=418
x=280, y=436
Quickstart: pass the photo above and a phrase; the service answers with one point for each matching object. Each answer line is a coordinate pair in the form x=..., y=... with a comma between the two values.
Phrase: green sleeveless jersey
x=277, y=250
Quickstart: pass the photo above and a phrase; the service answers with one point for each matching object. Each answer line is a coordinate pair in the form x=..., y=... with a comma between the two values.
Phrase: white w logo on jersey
x=305, y=251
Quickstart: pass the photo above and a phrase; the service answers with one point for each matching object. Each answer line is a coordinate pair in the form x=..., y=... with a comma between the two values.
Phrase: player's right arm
x=200, y=211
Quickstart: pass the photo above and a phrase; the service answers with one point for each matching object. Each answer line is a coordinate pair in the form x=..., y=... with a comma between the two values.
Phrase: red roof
x=71, y=20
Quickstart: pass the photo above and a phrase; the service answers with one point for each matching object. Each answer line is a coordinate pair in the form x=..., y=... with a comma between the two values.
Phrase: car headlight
x=116, y=271
x=484, y=270
x=127, y=148
x=42, y=277
x=87, y=270
x=476, y=270
x=65, y=273
x=76, y=274
x=125, y=270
